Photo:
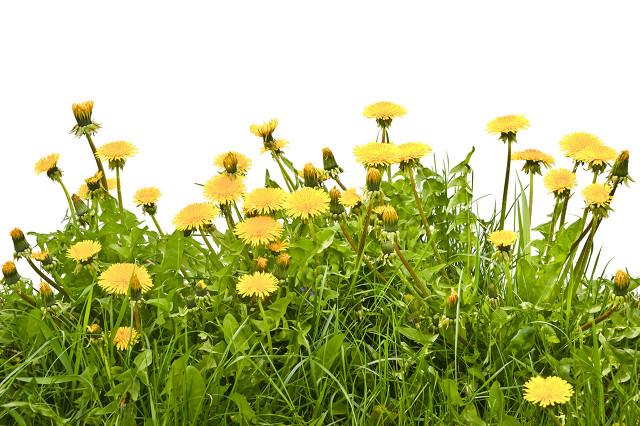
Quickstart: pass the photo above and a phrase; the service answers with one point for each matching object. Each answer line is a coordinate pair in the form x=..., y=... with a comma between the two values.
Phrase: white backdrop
x=184, y=80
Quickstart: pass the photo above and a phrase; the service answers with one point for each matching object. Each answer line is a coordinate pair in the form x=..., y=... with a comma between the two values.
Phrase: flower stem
x=155, y=222
x=285, y=175
x=340, y=184
x=98, y=162
x=266, y=325
x=72, y=211
x=509, y=289
x=352, y=243
x=587, y=325
x=530, y=197
x=120, y=206
x=505, y=191
x=363, y=236
x=211, y=250
x=49, y=281
x=419, y=284
x=312, y=229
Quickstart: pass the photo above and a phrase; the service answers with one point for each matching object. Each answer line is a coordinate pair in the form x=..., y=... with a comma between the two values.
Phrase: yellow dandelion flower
x=118, y=151
x=265, y=200
x=259, y=230
x=93, y=328
x=118, y=277
x=195, y=216
x=83, y=191
x=384, y=111
x=274, y=146
x=146, y=196
x=597, y=194
x=503, y=239
x=533, y=155
x=596, y=155
x=412, y=151
x=41, y=256
x=278, y=246
x=236, y=159
x=224, y=188
x=507, y=124
x=45, y=289
x=47, y=163
x=265, y=129
x=575, y=142
x=259, y=284
x=84, y=251
x=82, y=112
x=307, y=203
x=546, y=391
x=376, y=154
x=125, y=338
x=558, y=180
x=350, y=198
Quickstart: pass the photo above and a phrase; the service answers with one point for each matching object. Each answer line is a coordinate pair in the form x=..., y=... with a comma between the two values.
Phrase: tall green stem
x=419, y=284
x=509, y=294
x=214, y=256
x=530, y=196
x=266, y=326
x=98, y=162
x=72, y=210
x=120, y=206
x=285, y=175
x=363, y=237
x=155, y=222
x=423, y=216
x=505, y=191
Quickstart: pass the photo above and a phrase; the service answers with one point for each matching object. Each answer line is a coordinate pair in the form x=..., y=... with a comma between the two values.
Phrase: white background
x=184, y=80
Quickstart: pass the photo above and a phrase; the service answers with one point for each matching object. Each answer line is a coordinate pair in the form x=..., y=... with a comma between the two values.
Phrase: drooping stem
x=49, y=281
x=72, y=211
x=505, y=191
x=98, y=162
x=419, y=284
x=155, y=222
x=120, y=206
x=587, y=325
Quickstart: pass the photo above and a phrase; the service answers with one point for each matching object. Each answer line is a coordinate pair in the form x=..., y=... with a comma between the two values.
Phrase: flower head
x=259, y=230
x=82, y=111
x=116, y=153
x=265, y=200
x=125, y=338
x=384, y=111
x=20, y=244
x=224, y=188
x=119, y=277
x=597, y=195
x=559, y=180
x=259, y=284
x=350, y=198
x=278, y=246
x=307, y=203
x=233, y=162
x=93, y=328
x=373, y=179
x=375, y=154
x=264, y=130
x=596, y=156
x=195, y=216
x=84, y=252
x=147, y=197
x=573, y=143
x=533, y=160
x=10, y=273
x=503, y=239
x=329, y=163
x=410, y=153
x=49, y=165
x=41, y=256
x=507, y=124
x=621, y=280
x=274, y=146
x=620, y=168
x=546, y=391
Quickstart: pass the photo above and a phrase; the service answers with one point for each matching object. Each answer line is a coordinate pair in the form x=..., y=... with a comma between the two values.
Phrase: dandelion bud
x=79, y=205
x=451, y=304
x=621, y=166
x=374, y=177
x=283, y=259
x=46, y=294
x=93, y=328
x=310, y=175
x=201, y=289
x=335, y=207
x=44, y=258
x=82, y=112
x=20, y=244
x=261, y=264
x=390, y=219
x=621, y=283
x=492, y=296
x=135, y=287
x=94, y=183
x=10, y=273
x=230, y=163
x=330, y=164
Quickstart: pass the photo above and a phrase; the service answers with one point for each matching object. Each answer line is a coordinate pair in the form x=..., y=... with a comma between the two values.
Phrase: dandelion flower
x=195, y=216
x=41, y=256
x=93, y=328
x=224, y=188
x=575, y=142
x=375, y=154
x=47, y=164
x=533, y=155
x=384, y=111
x=546, y=391
x=125, y=338
x=259, y=230
x=146, y=196
x=307, y=203
x=265, y=200
x=507, y=124
x=597, y=194
x=275, y=146
x=278, y=246
x=84, y=252
x=116, y=153
x=259, y=284
x=559, y=180
x=596, y=155
x=503, y=239
x=82, y=112
x=118, y=277
x=233, y=162
x=350, y=198
x=264, y=130
x=411, y=152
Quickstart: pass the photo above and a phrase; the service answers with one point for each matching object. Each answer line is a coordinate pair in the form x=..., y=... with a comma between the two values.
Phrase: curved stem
x=598, y=319
x=352, y=243
x=505, y=191
x=98, y=162
x=419, y=284
x=155, y=222
x=120, y=206
x=72, y=211
x=49, y=281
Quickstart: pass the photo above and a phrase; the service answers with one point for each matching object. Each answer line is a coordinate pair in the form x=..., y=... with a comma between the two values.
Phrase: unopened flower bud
x=621, y=166
x=10, y=273
x=310, y=175
x=389, y=219
x=283, y=259
x=621, y=283
x=374, y=177
x=20, y=243
x=135, y=287
x=82, y=112
x=335, y=207
x=46, y=294
x=230, y=163
x=261, y=264
x=330, y=164
x=79, y=205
